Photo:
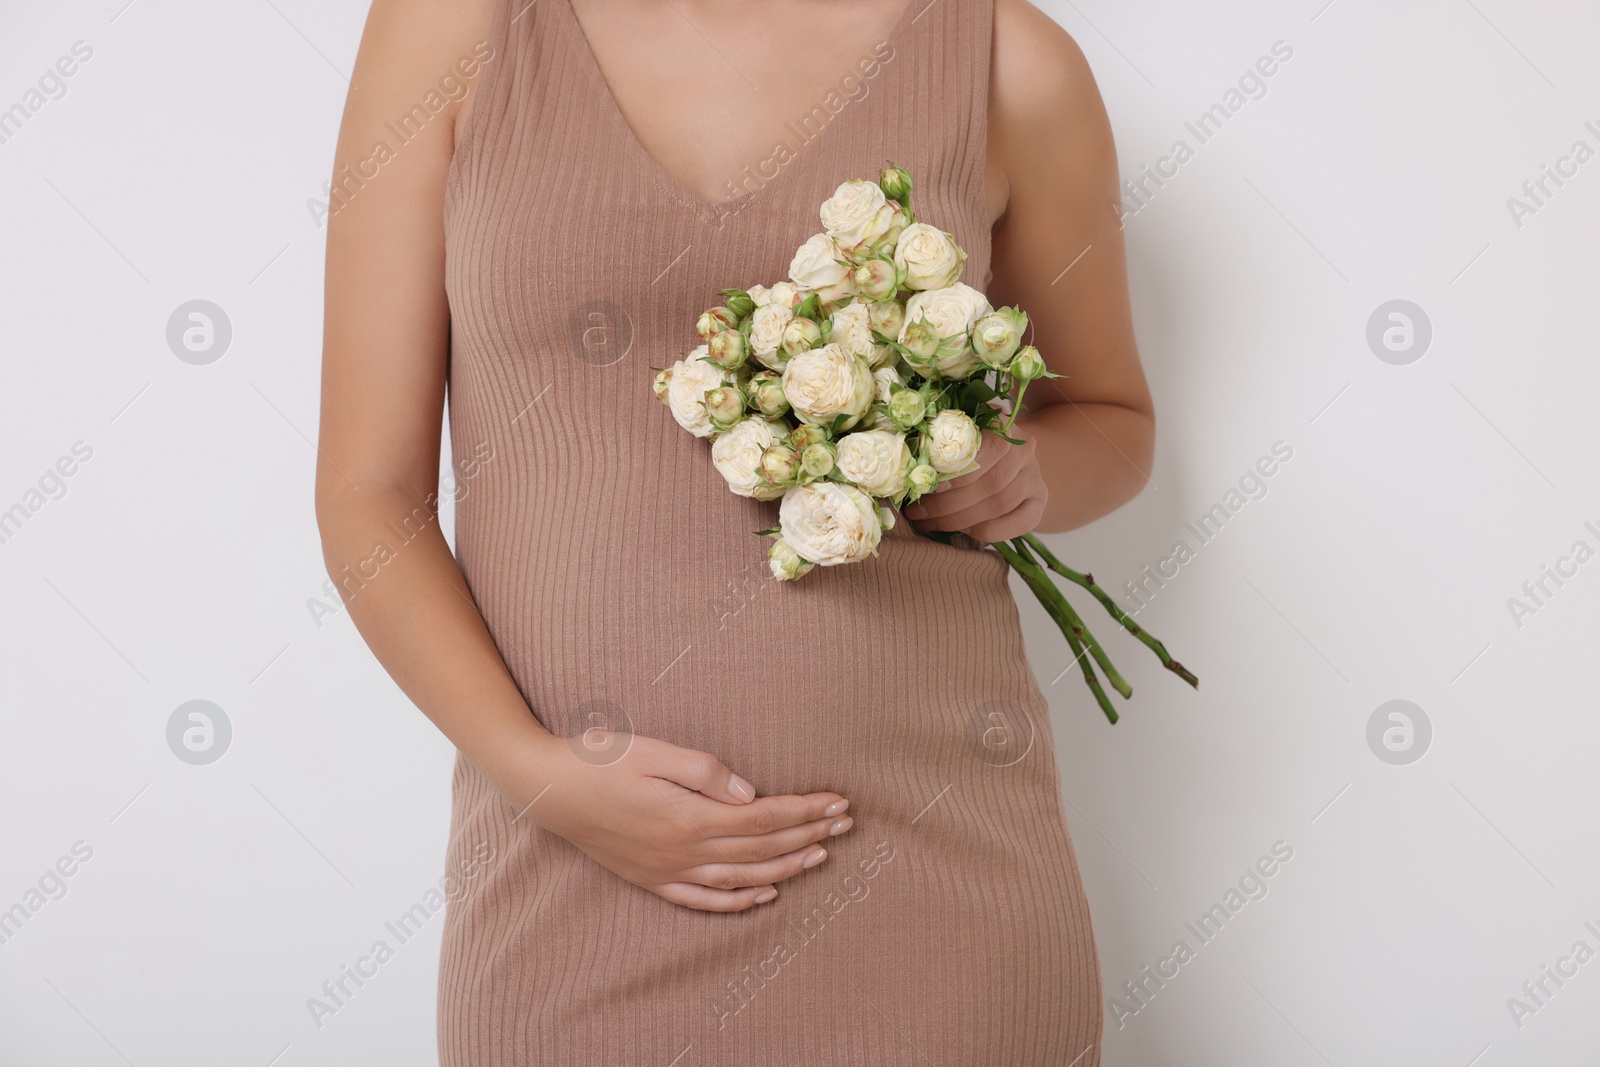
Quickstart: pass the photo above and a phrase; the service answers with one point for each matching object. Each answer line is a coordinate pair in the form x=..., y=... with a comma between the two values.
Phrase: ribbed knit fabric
x=625, y=587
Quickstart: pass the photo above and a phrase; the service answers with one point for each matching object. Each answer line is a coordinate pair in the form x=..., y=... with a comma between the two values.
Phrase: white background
x=179, y=563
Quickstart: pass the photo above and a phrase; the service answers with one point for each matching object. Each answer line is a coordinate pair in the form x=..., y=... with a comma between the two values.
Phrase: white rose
x=767, y=324
x=853, y=332
x=785, y=562
x=958, y=363
x=856, y=213
x=817, y=265
x=951, y=310
x=737, y=454
x=784, y=294
x=827, y=382
x=692, y=377
x=829, y=523
x=882, y=379
x=929, y=256
x=952, y=441
x=876, y=460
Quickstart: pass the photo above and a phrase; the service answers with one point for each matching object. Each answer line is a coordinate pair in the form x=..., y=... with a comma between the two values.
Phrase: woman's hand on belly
x=681, y=824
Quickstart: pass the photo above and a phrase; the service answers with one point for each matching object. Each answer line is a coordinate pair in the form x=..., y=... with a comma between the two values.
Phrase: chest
x=710, y=92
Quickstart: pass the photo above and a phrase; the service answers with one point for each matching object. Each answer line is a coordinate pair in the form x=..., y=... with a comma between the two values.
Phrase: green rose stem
x=1087, y=581
x=1078, y=628
x=1080, y=656
x=1016, y=407
x=1066, y=619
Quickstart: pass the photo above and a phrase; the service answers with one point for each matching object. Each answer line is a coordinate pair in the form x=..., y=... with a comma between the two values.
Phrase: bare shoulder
x=1047, y=122
x=1041, y=79
x=430, y=50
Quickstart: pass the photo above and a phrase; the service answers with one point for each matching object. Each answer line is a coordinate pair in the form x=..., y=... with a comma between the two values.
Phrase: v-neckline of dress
x=668, y=182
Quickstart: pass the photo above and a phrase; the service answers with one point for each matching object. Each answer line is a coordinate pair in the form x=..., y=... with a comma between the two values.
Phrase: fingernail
x=741, y=788
x=836, y=808
x=840, y=827
x=766, y=895
x=816, y=857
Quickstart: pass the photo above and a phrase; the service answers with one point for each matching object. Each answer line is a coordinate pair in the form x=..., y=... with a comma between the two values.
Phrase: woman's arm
x=1090, y=435
x=675, y=821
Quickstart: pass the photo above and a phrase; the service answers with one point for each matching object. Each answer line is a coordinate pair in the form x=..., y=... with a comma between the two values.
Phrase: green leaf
x=978, y=391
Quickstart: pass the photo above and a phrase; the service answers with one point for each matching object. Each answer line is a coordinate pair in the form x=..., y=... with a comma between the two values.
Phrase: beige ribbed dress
x=625, y=587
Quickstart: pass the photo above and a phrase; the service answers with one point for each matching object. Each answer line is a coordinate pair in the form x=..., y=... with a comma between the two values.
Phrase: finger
x=704, y=898
x=1001, y=502
x=1013, y=524
x=770, y=813
x=940, y=505
x=960, y=492
x=993, y=452
x=756, y=849
x=732, y=876
x=703, y=773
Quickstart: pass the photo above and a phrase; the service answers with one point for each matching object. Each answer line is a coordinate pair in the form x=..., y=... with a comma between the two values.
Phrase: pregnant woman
x=711, y=818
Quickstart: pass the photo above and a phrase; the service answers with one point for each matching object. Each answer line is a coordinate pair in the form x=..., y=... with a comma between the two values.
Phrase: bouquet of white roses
x=869, y=376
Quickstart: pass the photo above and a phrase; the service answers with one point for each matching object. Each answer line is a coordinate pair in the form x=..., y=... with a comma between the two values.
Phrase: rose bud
x=663, y=382
x=818, y=459
x=895, y=183
x=923, y=479
x=780, y=465
x=1027, y=364
x=729, y=349
x=787, y=565
x=741, y=303
x=807, y=435
x=766, y=393
x=724, y=406
x=920, y=341
x=996, y=335
x=876, y=279
x=715, y=321
x=886, y=317
x=907, y=407
x=801, y=335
